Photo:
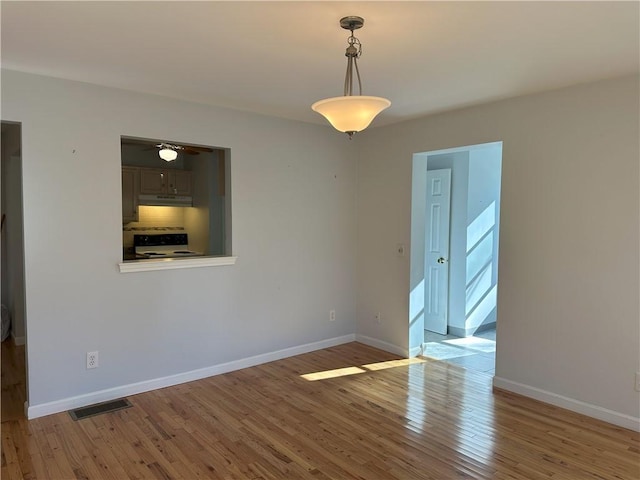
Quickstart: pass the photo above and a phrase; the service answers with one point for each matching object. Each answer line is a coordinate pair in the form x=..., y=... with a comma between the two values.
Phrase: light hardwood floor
x=348, y=412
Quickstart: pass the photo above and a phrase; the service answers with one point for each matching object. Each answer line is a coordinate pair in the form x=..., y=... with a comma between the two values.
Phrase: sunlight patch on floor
x=473, y=343
x=338, y=372
x=371, y=367
x=440, y=351
x=393, y=363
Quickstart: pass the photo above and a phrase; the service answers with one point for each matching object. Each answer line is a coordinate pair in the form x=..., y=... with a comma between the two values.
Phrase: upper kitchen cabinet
x=180, y=182
x=130, y=183
x=155, y=181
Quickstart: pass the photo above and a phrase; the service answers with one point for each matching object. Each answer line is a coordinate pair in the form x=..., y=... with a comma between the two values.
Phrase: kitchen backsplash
x=149, y=229
x=153, y=220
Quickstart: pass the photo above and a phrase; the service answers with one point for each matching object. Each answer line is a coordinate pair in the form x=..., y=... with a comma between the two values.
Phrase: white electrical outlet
x=92, y=360
x=378, y=318
x=332, y=315
x=637, y=381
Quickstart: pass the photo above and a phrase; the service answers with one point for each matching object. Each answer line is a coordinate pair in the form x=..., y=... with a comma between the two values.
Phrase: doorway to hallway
x=459, y=314
x=14, y=381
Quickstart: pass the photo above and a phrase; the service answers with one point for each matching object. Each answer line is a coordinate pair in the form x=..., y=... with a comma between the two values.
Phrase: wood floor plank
x=345, y=412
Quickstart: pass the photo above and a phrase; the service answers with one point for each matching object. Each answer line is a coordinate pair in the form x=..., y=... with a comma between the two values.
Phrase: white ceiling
x=277, y=58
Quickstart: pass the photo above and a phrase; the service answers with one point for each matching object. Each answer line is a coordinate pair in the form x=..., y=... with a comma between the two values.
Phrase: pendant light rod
x=353, y=52
x=351, y=113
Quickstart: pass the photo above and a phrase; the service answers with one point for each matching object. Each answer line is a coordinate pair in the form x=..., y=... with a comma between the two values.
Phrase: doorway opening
x=454, y=255
x=14, y=381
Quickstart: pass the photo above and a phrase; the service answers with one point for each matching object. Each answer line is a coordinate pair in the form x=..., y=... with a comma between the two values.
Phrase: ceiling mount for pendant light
x=351, y=113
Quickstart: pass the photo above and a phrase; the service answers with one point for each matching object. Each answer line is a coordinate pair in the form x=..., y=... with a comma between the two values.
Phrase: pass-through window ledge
x=174, y=263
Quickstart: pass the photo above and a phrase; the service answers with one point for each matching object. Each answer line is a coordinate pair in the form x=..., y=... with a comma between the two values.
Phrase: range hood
x=166, y=200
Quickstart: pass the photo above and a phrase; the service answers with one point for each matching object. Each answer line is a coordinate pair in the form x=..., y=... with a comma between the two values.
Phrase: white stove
x=166, y=245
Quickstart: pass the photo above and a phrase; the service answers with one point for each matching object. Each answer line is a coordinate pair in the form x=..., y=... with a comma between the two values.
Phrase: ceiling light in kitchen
x=168, y=154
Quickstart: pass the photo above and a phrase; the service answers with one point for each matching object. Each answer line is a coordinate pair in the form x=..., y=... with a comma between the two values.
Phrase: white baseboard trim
x=415, y=351
x=18, y=340
x=387, y=347
x=600, y=413
x=457, y=331
x=35, y=411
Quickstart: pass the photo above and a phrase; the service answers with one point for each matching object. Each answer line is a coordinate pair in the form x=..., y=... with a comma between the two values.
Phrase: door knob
x=442, y=260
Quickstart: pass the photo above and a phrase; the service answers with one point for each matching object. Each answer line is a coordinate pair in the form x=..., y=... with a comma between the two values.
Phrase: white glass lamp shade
x=351, y=113
x=168, y=154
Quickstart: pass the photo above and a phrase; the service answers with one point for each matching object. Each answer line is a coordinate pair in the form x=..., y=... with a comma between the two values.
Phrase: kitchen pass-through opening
x=175, y=200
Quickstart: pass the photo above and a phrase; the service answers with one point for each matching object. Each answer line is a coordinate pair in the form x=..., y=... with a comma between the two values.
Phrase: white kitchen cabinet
x=179, y=182
x=153, y=181
x=156, y=181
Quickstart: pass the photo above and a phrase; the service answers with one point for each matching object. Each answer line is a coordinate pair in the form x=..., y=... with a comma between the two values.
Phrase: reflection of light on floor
x=417, y=407
x=473, y=343
x=371, y=367
x=392, y=363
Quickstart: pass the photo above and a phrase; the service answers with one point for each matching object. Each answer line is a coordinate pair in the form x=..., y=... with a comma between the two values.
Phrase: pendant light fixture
x=351, y=113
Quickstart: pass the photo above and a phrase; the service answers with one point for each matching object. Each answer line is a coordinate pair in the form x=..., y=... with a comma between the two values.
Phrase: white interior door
x=436, y=267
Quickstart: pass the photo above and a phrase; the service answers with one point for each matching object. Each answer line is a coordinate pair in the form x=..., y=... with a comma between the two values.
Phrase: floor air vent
x=99, y=408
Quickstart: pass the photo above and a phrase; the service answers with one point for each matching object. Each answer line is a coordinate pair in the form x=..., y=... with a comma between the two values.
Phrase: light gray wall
x=483, y=202
x=568, y=302
x=294, y=217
